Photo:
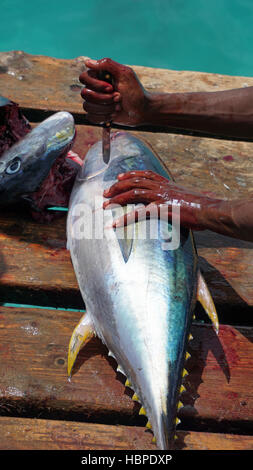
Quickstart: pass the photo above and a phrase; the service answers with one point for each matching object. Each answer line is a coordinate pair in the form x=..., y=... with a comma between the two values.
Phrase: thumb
x=105, y=64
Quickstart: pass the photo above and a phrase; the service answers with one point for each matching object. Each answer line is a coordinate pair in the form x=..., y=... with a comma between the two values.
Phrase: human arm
x=198, y=211
x=228, y=113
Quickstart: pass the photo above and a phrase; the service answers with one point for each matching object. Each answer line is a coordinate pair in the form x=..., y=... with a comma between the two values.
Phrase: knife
x=106, y=143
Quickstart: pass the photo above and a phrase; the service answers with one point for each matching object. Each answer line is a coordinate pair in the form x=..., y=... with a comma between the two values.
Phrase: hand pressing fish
x=38, y=168
x=139, y=297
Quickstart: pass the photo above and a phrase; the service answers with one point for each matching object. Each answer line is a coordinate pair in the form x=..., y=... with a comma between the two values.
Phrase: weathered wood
x=212, y=441
x=39, y=434
x=33, y=355
x=52, y=84
x=220, y=374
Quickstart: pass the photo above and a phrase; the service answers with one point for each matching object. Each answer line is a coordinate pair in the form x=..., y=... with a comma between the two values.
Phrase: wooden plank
x=39, y=434
x=47, y=83
x=35, y=266
x=213, y=441
x=220, y=373
x=33, y=355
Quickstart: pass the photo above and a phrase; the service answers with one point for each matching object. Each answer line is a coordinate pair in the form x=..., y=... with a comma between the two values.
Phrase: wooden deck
x=39, y=408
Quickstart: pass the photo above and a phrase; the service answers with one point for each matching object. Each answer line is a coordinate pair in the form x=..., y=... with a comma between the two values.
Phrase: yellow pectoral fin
x=82, y=333
x=205, y=298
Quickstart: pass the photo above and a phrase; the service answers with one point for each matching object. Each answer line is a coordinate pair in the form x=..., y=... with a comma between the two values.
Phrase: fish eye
x=14, y=166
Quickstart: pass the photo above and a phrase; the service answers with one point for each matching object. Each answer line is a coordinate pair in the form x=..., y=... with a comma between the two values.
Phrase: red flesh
x=56, y=188
x=13, y=126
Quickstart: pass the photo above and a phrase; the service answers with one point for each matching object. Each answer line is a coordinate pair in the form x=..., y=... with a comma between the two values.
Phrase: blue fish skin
x=139, y=296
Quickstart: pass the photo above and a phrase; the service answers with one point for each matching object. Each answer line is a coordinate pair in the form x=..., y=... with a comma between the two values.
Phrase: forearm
x=228, y=113
x=231, y=218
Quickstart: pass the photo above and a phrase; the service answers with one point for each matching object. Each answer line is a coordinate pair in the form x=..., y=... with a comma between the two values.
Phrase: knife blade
x=106, y=143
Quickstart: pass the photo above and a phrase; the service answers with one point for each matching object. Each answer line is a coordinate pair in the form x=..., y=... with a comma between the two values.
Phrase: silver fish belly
x=139, y=297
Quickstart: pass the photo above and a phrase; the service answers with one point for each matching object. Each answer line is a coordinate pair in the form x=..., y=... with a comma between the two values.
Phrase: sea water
x=203, y=35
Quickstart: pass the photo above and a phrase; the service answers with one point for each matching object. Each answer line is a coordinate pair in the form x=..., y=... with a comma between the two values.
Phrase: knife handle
x=105, y=76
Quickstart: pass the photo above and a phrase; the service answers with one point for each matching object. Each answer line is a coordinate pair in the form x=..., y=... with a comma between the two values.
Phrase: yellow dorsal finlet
x=142, y=411
x=135, y=397
x=187, y=356
x=185, y=373
x=182, y=389
x=180, y=405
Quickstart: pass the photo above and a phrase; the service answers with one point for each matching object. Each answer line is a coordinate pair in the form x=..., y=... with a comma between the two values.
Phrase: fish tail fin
x=205, y=298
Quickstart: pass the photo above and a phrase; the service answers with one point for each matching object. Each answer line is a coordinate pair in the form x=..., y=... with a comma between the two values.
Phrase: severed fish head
x=35, y=169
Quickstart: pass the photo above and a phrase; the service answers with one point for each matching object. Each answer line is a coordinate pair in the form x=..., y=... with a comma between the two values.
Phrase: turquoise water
x=204, y=35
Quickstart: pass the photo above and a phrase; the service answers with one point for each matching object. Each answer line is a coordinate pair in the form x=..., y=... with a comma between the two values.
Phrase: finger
x=150, y=211
x=94, y=83
x=127, y=184
x=99, y=109
x=98, y=98
x=142, y=174
x=106, y=64
x=134, y=196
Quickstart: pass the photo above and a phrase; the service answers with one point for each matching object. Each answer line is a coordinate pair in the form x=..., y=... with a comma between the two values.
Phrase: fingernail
x=116, y=98
x=91, y=61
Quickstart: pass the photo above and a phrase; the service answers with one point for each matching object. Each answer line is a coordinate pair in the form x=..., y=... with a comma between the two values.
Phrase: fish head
x=27, y=164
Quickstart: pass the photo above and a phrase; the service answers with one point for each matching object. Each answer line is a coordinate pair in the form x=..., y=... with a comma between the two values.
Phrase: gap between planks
x=38, y=434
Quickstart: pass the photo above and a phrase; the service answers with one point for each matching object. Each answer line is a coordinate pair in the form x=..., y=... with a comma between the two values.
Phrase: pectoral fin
x=125, y=237
x=205, y=298
x=82, y=333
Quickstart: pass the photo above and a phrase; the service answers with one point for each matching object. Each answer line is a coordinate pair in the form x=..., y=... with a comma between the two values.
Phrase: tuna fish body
x=139, y=296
